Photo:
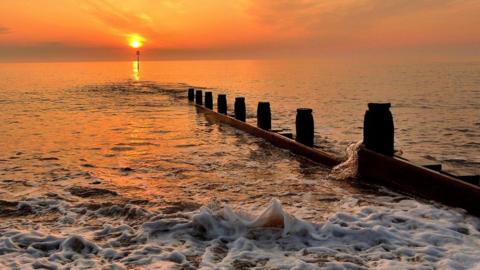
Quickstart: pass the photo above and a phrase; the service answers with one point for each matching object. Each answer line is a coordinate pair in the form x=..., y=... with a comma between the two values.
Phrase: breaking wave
x=348, y=168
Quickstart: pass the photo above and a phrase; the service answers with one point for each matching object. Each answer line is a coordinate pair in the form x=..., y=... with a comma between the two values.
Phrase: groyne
x=377, y=162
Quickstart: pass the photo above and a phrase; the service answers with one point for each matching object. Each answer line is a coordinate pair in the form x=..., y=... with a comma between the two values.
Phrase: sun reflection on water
x=135, y=70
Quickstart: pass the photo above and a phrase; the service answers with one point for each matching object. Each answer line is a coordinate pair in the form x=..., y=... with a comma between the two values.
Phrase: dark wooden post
x=191, y=94
x=209, y=100
x=378, y=130
x=198, y=97
x=240, y=110
x=222, y=104
x=264, y=115
x=304, y=126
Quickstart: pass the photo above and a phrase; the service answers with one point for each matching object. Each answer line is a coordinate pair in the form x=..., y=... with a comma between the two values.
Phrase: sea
x=105, y=165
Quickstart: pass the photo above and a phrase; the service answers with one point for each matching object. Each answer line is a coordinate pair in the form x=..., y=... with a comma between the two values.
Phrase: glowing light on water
x=135, y=70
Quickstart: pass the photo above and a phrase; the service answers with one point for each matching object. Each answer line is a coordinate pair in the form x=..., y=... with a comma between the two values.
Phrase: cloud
x=343, y=23
x=251, y=28
x=121, y=21
x=281, y=12
x=4, y=30
x=319, y=15
x=58, y=51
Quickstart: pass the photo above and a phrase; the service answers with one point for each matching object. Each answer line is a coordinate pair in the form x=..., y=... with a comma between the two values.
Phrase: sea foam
x=413, y=235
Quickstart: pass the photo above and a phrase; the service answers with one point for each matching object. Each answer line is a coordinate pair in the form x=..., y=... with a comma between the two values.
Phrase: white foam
x=348, y=168
x=409, y=235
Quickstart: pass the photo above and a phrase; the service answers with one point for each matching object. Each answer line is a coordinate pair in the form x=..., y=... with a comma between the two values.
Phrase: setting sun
x=135, y=40
x=135, y=44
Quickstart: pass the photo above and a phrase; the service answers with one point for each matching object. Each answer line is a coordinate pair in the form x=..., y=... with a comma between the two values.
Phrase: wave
x=413, y=235
x=349, y=168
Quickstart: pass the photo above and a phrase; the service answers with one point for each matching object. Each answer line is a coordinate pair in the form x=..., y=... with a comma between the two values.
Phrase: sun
x=135, y=44
x=135, y=40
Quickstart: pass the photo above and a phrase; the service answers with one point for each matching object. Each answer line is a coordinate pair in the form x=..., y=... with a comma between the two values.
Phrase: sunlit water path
x=98, y=170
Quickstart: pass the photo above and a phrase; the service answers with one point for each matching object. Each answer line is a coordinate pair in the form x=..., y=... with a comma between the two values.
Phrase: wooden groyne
x=406, y=177
x=275, y=138
x=376, y=160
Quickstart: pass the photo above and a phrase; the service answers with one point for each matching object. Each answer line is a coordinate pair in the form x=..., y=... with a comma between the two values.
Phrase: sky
x=51, y=30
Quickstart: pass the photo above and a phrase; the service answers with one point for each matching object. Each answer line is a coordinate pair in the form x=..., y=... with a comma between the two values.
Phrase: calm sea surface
x=436, y=106
x=102, y=166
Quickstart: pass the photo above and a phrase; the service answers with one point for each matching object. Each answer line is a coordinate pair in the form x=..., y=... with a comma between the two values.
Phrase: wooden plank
x=429, y=164
x=406, y=177
x=463, y=175
x=274, y=138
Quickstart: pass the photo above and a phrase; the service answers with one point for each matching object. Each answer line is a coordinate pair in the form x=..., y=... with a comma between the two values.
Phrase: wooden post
x=304, y=126
x=222, y=104
x=209, y=100
x=264, y=116
x=240, y=110
x=198, y=97
x=191, y=94
x=378, y=130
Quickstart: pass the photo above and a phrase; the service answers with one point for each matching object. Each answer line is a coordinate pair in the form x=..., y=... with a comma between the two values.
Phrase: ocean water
x=105, y=167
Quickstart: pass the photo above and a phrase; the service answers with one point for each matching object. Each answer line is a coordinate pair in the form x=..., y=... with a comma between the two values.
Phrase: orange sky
x=98, y=29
